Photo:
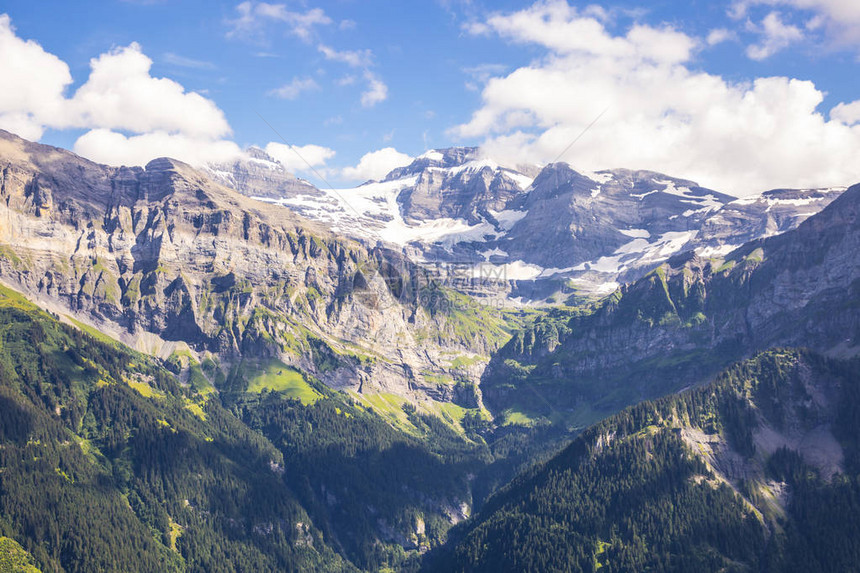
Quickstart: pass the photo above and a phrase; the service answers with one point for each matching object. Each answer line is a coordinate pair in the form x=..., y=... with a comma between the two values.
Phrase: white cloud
x=255, y=19
x=376, y=165
x=663, y=113
x=255, y=16
x=295, y=88
x=847, y=113
x=560, y=27
x=121, y=94
x=159, y=117
x=481, y=74
x=297, y=158
x=352, y=58
x=840, y=18
x=776, y=36
x=34, y=82
x=185, y=62
x=720, y=35
x=376, y=92
x=112, y=148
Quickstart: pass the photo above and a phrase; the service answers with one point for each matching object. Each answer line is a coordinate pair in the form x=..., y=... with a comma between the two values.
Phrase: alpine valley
x=464, y=366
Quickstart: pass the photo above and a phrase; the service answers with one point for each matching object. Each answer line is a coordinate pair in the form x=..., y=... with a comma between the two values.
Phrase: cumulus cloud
x=564, y=30
x=295, y=88
x=254, y=17
x=776, y=36
x=34, y=84
x=121, y=94
x=254, y=20
x=352, y=58
x=156, y=116
x=297, y=158
x=112, y=148
x=720, y=35
x=376, y=165
x=185, y=62
x=663, y=113
x=840, y=19
x=376, y=91
x=847, y=113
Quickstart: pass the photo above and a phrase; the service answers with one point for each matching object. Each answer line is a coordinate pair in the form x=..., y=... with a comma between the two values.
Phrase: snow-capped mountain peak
x=258, y=174
x=544, y=226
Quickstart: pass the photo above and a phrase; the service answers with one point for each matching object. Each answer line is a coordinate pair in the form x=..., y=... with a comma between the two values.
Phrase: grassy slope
x=276, y=376
x=14, y=559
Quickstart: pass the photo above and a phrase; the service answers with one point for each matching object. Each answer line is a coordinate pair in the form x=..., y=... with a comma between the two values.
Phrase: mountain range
x=552, y=232
x=247, y=372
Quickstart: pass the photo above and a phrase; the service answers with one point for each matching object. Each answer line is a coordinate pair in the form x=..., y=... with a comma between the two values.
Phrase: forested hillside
x=108, y=463
x=757, y=471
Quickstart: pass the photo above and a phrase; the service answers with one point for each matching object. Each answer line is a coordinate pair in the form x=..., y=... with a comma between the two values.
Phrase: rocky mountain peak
x=435, y=158
x=556, y=179
x=258, y=174
x=254, y=152
x=163, y=164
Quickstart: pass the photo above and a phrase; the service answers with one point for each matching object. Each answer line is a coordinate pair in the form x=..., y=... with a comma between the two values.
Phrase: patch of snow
x=557, y=271
x=371, y=211
x=773, y=201
x=611, y=265
x=719, y=251
x=475, y=166
x=602, y=178
x=445, y=231
x=634, y=246
x=673, y=242
x=643, y=195
x=522, y=181
x=514, y=271
x=671, y=189
x=747, y=200
x=508, y=218
x=703, y=201
x=590, y=286
x=607, y=288
x=691, y=212
x=223, y=175
x=635, y=233
x=522, y=271
x=497, y=252
x=640, y=252
x=432, y=155
x=274, y=166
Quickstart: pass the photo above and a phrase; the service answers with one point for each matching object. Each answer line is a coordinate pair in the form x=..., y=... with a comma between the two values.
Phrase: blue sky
x=411, y=75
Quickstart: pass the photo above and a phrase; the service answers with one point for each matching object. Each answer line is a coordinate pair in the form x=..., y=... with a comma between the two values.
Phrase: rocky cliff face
x=457, y=184
x=163, y=255
x=765, y=215
x=578, y=218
